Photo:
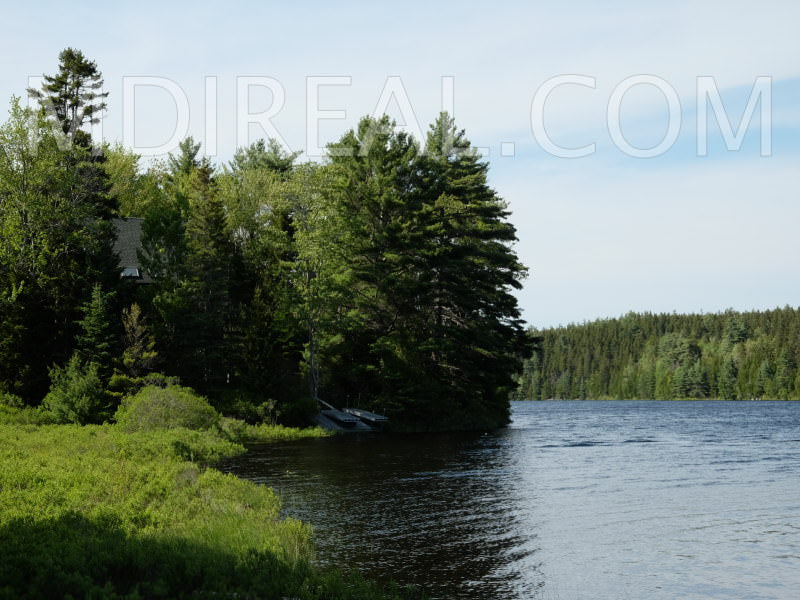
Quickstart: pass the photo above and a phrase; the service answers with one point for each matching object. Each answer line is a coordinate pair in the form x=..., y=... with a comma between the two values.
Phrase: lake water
x=573, y=500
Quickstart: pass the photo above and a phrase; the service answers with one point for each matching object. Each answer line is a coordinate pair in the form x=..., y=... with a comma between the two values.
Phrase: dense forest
x=731, y=356
x=381, y=277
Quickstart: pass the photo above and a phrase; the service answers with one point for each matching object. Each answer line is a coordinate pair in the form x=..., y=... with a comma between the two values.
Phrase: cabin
x=127, y=246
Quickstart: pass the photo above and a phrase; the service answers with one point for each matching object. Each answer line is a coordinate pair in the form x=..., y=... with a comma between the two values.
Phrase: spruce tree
x=185, y=160
x=96, y=342
x=202, y=310
x=726, y=380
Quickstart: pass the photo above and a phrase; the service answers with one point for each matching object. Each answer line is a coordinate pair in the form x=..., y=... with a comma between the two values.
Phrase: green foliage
x=96, y=341
x=139, y=356
x=94, y=512
x=728, y=356
x=185, y=161
x=409, y=275
x=260, y=156
x=13, y=411
x=72, y=97
x=239, y=431
x=133, y=191
x=77, y=393
x=383, y=277
x=165, y=408
x=55, y=245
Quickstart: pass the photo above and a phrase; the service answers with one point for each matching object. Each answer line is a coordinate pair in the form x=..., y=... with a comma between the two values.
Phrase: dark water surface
x=635, y=500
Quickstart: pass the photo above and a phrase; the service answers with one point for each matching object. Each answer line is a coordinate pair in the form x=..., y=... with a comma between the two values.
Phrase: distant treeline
x=732, y=355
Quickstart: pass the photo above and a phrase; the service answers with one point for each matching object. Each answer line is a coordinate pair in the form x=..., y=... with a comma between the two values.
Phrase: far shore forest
x=727, y=356
x=380, y=278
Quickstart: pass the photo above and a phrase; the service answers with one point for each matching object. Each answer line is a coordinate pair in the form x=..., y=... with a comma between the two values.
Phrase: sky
x=601, y=234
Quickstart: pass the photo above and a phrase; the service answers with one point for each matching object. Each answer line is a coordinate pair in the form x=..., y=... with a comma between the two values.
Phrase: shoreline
x=94, y=511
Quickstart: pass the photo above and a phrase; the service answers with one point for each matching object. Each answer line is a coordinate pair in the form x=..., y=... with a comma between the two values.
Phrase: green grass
x=244, y=433
x=96, y=512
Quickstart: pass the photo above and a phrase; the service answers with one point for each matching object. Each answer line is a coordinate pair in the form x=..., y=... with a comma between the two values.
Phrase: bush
x=26, y=415
x=166, y=408
x=11, y=401
x=121, y=385
x=298, y=412
x=14, y=411
x=241, y=432
x=77, y=394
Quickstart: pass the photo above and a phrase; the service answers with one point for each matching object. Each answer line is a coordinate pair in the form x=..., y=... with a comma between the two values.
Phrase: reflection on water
x=574, y=500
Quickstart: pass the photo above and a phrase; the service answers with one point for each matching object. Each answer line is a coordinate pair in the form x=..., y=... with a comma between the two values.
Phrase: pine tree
x=784, y=374
x=363, y=342
x=763, y=379
x=72, y=97
x=270, y=156
x=469, y=271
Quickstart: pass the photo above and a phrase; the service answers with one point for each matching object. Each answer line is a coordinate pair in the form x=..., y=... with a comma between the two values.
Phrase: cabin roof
x=127, y=246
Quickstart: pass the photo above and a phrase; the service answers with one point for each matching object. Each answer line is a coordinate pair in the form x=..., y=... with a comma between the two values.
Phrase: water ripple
x=573, y=500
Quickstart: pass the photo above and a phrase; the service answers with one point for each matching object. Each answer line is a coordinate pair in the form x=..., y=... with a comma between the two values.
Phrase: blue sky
x=603, y=234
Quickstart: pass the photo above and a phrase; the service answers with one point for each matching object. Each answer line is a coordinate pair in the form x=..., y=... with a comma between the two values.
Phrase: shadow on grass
x=81, y=558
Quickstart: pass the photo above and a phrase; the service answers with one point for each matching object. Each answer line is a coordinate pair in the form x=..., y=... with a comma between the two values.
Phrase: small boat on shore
x=348, y=419
x=373, y=419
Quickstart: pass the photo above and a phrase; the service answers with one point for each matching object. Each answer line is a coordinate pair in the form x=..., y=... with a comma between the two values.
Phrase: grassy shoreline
x=93, y=511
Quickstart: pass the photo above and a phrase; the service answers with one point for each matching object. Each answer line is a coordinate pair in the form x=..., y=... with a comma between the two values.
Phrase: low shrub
x=241, y=432
x=11, y=400
x=295, y=410
x=165, y=408
x=298, y=411
x=77, y=394
x=121, y=385
x=26, y=415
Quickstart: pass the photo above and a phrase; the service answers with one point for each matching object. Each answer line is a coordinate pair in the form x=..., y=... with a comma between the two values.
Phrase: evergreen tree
x=96, y=342
x=77, y=393
x=726, y=381
x=698, y=381
x=270, y=156
x=186, y=160
x=784, y=374
x=729, y=355
x=55, y=243
x=13, y=368
x=763, y=379
x=72, y=97
x=198, y=307
x=473, y=326
x=371, y=265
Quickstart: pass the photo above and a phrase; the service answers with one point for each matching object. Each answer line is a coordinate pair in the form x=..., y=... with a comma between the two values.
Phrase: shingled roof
x=129, y=241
